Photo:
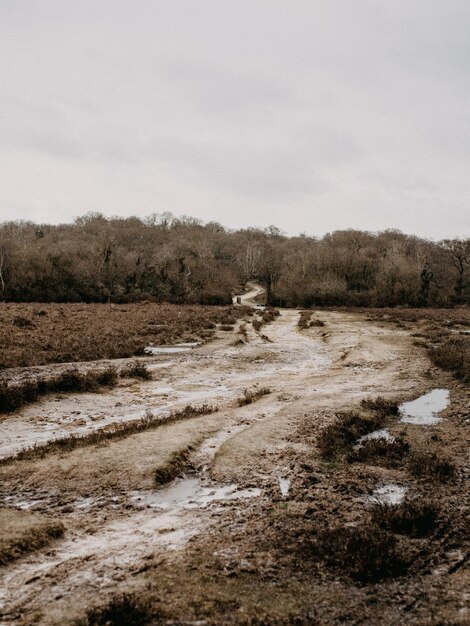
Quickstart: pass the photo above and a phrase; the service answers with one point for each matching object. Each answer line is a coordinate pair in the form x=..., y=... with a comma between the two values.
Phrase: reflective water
x=425, y=409
x=284, y=485
x=191, y=493
x=389, y=494
x=376, y=434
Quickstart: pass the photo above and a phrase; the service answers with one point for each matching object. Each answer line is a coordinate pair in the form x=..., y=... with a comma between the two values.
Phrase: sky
x=312, y=115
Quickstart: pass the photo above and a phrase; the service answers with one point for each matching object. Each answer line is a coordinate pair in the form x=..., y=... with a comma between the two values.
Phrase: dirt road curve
x=116, y=519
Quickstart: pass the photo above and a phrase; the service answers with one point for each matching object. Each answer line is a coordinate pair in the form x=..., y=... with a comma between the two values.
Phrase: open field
x=37, y=334
x=281, y=507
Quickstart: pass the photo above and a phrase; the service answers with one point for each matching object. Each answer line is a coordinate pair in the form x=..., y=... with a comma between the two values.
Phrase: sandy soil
x=125, y=534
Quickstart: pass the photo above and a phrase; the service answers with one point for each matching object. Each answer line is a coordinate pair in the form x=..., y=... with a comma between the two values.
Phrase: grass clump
x=226, y=327
x=123, y=610
x=454, y=355
x=252, y=395
x=339, y=438
x=25, y=531
x=381, y=451
x=380, y=406
x=412, y=517
x=367, y=554
x=15, y=395
x=114, y=431
x=136, y=369
x=431, y=466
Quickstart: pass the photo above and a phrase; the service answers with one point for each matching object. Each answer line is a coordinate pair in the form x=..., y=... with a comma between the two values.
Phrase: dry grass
x=305, y=321
x=431, y=466
x=24, y=531
x=412, y=517
x=381, y=452
x=123, y=610
x=252, y=395
x=454, y=355
x=15, y=395
x=339, y=438
x=112, y=466
x=119, y=430
x=367, y=553
x=53, y=333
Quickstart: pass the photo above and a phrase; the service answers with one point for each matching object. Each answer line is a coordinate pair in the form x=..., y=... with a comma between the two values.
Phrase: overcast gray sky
x=313, y=115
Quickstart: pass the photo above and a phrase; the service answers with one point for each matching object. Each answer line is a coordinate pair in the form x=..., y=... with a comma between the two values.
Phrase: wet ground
x=238, y=463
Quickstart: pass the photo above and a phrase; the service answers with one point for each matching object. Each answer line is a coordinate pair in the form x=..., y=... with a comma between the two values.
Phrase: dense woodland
x=167, y=259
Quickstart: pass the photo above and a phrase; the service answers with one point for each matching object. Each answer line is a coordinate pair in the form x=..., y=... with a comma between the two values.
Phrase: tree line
x=163, y=258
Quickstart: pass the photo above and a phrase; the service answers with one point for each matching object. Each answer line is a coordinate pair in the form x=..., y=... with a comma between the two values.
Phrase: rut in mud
x=117, y=519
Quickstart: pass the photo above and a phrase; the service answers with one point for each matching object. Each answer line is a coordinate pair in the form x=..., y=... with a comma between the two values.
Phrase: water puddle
x=389, y=494
x=376, y=434
x=165, y=349
x=284, y=486
x=190, y=493
x=425, y=409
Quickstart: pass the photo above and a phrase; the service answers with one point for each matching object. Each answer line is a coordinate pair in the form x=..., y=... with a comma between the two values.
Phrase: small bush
x=257, y=324
x=304, y=320
x=380, y=452
x=226, y=327
x=136, y=370
x=381, y=406
x=123, y=610
x=367, y=554
x=22, y=322
x=454, y=355
x=431, y=465
x=340, y=437
x=13, y=396
x=251, y=395
x=415, y=518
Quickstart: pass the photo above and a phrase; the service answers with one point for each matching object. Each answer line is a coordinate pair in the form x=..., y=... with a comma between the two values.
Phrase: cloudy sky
x=313, y=115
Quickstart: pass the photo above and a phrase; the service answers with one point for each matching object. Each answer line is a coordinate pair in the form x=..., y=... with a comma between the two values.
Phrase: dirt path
x=237, y=456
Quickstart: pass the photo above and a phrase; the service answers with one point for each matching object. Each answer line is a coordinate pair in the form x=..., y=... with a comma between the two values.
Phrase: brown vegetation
x=85, y=332
x=251, y=395
x=24, y=531
x=166, y=259
x=119, y=430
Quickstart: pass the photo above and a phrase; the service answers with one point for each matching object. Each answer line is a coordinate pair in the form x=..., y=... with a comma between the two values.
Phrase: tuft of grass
x=136, y=369
x=252, y=395
x=178, y=462
x=381, y=406
x=339, y=438
x=25, y=531
x=122, y=610
x=431, y=466
x=226, y=327
x=15, y=395
x=367, y=554
x=304, y=320
x=412, y=517
x=454, y=355
x=381, y=452
x=114, y=431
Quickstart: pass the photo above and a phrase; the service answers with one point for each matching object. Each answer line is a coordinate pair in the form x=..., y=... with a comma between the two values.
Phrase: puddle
x=424, y=410
x=389, y=494
x=165, y=349
x=190, y=493
x=376, y=434
x=284, y=486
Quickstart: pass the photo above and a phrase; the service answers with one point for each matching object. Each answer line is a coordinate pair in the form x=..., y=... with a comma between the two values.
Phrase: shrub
x=431, y=465
x=119, y=611
x=367, y=554
x=416, y=518
x=251, y=395
x=381, y=406
x=381, y=452
x=136, y=370
x=454, y=355
x=339, y=437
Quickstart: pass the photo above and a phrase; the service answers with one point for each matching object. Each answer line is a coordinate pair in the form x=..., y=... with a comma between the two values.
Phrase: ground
x=234, y=538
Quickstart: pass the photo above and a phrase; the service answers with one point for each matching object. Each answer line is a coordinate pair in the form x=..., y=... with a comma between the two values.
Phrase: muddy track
x=116, y=525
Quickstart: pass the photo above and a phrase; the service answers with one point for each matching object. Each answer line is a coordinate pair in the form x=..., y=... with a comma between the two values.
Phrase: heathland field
x=165, y=464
